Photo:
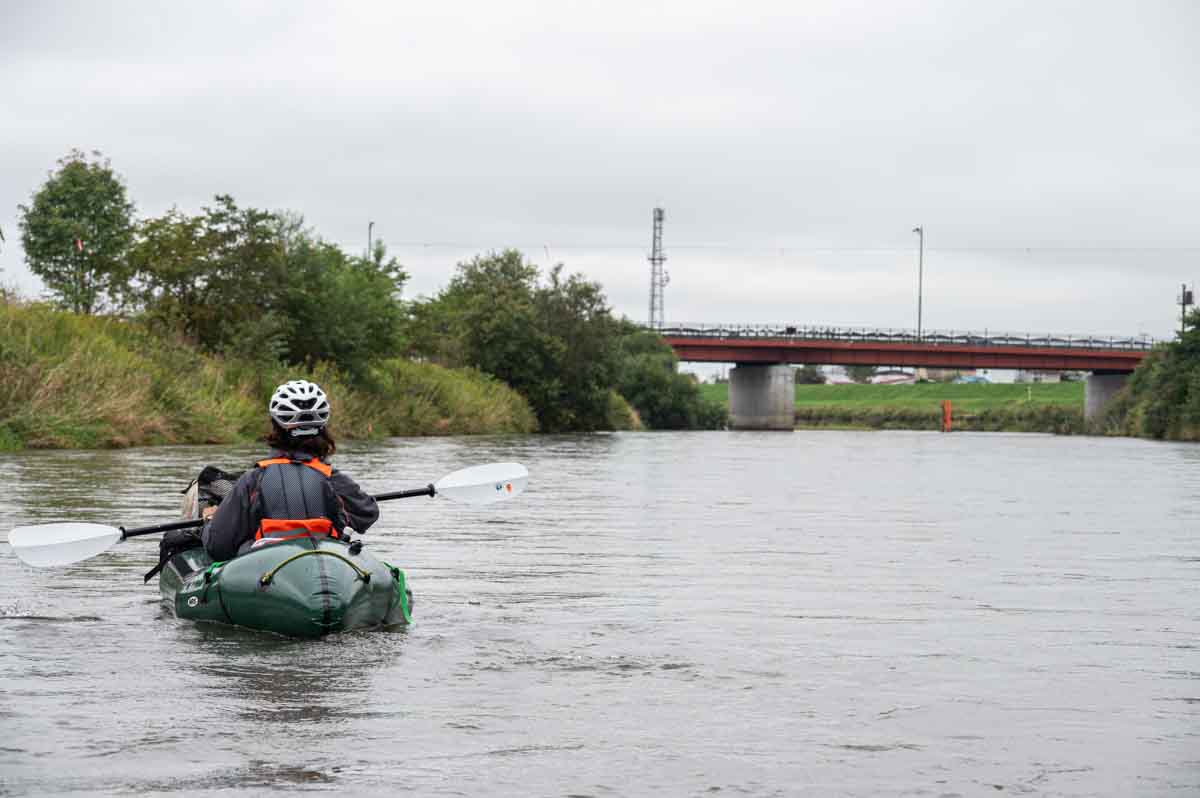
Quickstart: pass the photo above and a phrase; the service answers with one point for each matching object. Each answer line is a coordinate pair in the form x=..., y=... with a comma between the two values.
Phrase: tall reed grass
x=71, y=381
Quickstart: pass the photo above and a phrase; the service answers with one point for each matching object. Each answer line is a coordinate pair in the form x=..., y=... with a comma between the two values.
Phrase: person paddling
x=293, y=492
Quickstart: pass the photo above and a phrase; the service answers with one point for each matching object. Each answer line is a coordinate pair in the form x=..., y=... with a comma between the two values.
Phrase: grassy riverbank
x=1041, y=407
x=68, y=381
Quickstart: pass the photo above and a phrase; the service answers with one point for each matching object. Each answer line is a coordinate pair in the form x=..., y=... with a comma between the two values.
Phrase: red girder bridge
x=761, y=387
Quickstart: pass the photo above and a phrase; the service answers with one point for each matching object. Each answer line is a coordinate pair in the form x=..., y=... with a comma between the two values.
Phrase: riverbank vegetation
x=73, y=380
x=1040, y=407
x=174, y=329
x=555, y=341
x=1161, y=399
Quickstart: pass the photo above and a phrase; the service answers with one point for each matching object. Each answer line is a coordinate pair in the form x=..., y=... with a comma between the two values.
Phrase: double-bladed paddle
x=48, y=545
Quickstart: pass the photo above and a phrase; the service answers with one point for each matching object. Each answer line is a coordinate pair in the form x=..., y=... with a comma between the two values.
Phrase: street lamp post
x=920, y=231
x=369, y=226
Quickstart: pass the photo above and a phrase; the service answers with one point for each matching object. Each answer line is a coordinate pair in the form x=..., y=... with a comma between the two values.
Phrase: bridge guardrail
x=893, y=335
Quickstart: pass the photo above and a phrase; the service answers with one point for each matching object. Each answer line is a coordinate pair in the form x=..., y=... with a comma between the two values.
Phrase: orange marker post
x=946, y=415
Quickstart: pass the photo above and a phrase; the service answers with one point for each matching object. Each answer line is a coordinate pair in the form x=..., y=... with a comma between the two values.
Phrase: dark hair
x=320, y=445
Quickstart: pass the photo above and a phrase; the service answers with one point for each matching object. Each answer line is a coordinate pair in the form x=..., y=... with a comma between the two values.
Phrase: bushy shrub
x=1161, y=399
x=649, y=378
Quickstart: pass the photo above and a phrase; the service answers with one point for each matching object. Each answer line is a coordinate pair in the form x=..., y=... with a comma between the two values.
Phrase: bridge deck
x=913, y=353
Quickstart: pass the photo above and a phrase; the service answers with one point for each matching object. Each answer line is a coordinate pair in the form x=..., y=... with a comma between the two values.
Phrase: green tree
x=650, y=381
x=76, y=230
x=861, y=373
x=168, y=266
x=553, y=343
x=1161, y=399
x=247, y=279
x=809, y=375
x=220, y=277
x=341, y=309
x=489, y=309
x=263, y=286
x=457, y=326
x=575, y=312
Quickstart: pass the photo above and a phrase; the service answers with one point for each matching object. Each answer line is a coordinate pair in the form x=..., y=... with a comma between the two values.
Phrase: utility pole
x=370, y=225
x=658, y=275
x=920, y=231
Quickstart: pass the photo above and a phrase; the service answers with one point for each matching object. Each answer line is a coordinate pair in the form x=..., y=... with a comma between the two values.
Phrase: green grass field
x=1040, y=407
x=967, y=398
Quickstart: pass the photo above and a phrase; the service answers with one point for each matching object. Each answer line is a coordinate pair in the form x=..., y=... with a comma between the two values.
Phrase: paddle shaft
x=150, y=530
x=428, y=490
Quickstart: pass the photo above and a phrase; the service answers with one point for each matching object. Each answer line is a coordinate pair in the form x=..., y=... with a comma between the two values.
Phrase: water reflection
x=267, y=679
x=114, y=487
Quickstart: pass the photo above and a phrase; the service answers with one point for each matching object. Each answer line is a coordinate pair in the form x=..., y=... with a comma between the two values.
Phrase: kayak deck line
x=266, y=578
x=327, y=586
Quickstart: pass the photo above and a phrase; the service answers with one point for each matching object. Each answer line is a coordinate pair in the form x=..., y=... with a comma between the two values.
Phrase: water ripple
x=827, y=613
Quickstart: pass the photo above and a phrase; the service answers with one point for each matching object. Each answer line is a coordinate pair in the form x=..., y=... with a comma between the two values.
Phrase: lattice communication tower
x=658, y=275
x=1185, y=298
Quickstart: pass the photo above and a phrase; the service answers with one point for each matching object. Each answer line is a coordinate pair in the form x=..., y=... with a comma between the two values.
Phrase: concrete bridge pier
x=762, y=397
x=1099, y=388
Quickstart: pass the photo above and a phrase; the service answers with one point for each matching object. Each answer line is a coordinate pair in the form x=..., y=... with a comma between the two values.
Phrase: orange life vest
x=292, y=505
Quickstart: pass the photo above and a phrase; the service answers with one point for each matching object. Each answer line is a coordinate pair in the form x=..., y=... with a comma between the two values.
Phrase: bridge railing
x=806, y=332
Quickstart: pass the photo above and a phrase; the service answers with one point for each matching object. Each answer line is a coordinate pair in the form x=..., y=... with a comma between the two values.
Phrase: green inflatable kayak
x=308, y=586
x=305, y=587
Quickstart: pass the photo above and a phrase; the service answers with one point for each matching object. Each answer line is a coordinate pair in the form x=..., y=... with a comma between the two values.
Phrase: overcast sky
x=1049, y=149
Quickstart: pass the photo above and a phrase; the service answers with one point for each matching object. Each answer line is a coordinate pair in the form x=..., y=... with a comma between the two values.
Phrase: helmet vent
x=300, y=407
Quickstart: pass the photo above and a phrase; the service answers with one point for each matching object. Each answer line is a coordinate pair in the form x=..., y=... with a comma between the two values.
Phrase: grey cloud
x=806, y=128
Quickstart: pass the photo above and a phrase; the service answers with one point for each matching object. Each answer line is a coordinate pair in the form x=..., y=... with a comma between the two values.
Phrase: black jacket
x=238, y=516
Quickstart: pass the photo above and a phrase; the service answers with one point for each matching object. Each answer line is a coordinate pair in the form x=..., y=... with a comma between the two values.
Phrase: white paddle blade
x=484, y=484
x=48, y=545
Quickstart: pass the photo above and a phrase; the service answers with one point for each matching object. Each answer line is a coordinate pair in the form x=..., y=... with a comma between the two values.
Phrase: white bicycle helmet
x=300, y=407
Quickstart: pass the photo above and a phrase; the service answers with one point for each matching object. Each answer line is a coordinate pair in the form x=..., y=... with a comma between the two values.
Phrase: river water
x=818, y=613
